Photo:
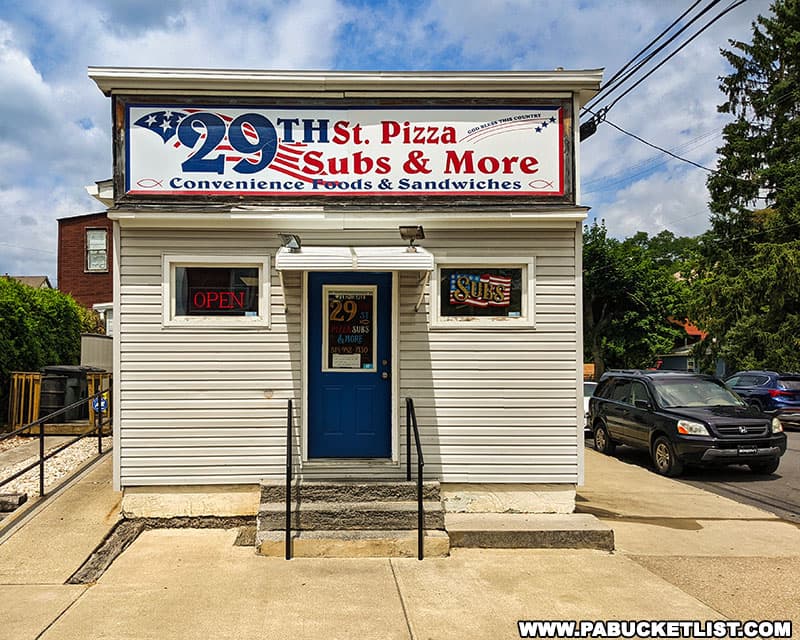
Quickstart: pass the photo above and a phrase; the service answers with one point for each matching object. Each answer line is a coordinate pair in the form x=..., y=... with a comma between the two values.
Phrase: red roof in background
x=690, y=329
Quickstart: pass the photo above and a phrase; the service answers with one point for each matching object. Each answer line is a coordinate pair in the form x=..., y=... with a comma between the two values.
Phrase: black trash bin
x=75, y=388
x=52, y=394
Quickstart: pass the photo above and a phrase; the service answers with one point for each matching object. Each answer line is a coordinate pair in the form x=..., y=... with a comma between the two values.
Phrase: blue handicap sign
x=100, y=404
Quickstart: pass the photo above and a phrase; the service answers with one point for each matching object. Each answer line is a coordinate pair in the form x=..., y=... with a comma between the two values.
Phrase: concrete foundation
x=201, y=500
x=243, y=500
x=508, y=498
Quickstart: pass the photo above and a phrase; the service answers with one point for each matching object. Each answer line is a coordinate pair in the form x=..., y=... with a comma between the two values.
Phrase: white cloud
x=55, y=124
x=674, y=201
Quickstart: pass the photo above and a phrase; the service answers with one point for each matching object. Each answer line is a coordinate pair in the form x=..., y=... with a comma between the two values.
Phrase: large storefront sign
x=177, y=150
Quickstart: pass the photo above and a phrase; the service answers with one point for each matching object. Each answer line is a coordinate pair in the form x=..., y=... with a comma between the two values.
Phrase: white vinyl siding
x=204, y=406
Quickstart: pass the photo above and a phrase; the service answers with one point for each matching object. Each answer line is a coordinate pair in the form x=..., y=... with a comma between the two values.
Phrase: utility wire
x=16, y=246
x=590, y=126
x=730, y=8
x=650, y=44
x=655, y=146
x=613, y=83
x=604, y=183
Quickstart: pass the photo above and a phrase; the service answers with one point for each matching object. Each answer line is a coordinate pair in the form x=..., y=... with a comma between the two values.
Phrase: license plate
x=748, y=451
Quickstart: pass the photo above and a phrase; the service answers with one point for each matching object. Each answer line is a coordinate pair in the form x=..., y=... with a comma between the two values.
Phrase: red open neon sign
x=211, y=301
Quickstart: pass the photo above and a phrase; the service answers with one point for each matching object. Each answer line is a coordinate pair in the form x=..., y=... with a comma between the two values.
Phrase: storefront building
x=346, y=241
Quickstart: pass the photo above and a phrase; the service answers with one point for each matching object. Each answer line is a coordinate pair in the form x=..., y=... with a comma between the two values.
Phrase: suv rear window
x=693, y=392
x=789, y=383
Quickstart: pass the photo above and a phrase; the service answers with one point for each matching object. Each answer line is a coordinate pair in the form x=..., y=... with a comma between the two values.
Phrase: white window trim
x=526, y=321
x=86, y=261
x=171, y=261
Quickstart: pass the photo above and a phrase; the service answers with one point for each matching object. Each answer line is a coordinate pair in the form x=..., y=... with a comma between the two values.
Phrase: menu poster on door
x=350, y=331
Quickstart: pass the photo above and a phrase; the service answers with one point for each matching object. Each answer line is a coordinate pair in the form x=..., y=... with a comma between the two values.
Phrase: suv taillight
x=774, y=393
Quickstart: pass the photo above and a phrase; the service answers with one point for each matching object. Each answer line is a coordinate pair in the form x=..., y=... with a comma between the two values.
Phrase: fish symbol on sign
x=149, y=183
x=541, y=184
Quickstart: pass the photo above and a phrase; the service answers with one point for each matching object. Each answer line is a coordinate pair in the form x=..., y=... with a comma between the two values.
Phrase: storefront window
x=482, y=293
x=215, y=291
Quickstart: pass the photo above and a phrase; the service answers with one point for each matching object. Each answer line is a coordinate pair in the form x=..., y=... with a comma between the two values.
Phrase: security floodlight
x=411, y=233
x=290, y=241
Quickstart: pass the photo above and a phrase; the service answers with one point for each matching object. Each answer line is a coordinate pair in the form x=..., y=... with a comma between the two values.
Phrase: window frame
x=527, y=319
x=86, y=265
x=168, y=289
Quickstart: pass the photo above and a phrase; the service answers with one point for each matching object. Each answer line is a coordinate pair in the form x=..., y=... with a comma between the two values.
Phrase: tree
x=746, y=283
x=38, y=327
x=628, y=299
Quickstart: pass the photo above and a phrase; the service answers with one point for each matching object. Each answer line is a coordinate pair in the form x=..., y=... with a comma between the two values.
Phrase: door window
x=638, y=392
x=349, y=328
x=621, y=392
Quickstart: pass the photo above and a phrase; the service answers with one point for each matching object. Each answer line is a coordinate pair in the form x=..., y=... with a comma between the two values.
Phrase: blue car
x=776, y=393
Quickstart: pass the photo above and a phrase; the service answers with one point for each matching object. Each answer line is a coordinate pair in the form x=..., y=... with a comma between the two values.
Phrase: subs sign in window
x=349, y=328
x=481, y=292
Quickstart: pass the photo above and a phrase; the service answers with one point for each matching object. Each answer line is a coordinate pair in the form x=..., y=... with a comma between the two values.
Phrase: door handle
x=384, y=375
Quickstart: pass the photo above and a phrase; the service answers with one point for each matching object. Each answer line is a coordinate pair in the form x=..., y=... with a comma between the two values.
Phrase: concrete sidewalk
x=682, y=554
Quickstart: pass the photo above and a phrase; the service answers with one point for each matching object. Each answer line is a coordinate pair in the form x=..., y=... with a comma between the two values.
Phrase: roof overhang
x=354, y=259
x=346, y=84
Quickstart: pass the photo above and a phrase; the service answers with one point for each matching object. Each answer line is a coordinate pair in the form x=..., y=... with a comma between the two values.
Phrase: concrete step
x=528, y=531
x=275, y=491
x=353, y=544
x=328, y=516
x=11, y=501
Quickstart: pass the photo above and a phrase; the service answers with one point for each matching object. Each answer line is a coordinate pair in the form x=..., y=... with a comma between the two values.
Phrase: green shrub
x=38, y=327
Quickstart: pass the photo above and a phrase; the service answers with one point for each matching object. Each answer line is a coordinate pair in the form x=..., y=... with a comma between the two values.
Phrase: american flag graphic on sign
x=286, y=157
x=487, y=290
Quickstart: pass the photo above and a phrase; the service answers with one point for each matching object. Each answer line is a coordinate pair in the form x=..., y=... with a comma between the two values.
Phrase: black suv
x=683, y=418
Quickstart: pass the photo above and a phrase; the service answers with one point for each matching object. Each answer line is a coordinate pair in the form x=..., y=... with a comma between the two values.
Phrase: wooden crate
x=24, y=398
x=97, y=382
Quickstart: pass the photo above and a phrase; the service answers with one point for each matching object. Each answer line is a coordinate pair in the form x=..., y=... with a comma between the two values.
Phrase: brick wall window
x=96, y=250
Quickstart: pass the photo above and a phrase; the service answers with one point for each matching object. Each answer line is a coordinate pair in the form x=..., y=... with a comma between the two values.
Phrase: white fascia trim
x=204, y=81
x=266, y=218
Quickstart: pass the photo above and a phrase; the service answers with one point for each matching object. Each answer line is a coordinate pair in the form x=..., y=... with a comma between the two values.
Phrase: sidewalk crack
x=61, y=615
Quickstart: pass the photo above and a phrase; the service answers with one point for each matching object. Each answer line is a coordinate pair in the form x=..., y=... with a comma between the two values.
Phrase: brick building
x=84, y=258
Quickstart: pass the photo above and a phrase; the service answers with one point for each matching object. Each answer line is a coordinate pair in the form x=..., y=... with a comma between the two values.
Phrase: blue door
x=349, y=365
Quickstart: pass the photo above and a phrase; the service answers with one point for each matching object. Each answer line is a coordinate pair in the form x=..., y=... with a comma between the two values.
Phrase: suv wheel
x=767, y=468
x=664, y=458
x=602, y=441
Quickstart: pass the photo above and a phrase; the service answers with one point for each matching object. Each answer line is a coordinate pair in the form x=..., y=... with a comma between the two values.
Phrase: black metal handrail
x=54, y=452
x=288, y=540
x=411, y=421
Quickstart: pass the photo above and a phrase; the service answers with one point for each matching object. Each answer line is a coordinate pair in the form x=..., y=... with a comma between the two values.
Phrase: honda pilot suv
x=683, y=419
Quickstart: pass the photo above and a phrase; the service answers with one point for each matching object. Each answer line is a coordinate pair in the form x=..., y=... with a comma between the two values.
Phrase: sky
x=55, y=123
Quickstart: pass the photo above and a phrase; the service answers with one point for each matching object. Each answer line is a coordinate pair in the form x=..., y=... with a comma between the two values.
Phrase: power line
x=589, y=127
x=646, y=166
x=613, y=83
x=730, y=8
x=655, y=146
x=16, y=246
